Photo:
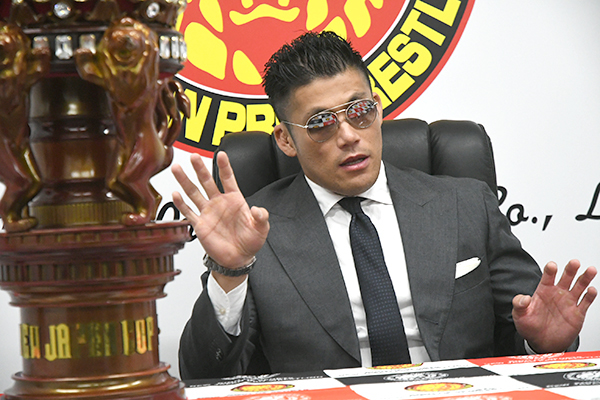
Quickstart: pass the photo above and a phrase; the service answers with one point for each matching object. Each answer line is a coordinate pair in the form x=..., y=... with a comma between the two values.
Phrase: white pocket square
x=464, y=267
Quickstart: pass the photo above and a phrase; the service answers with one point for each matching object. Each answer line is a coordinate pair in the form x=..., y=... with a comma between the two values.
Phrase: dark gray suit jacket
x=297, y=315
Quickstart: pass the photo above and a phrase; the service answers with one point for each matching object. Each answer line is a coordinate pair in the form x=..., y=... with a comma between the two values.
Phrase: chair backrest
x=455, y=148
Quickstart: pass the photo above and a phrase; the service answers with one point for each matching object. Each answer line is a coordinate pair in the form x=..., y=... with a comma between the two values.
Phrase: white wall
x=528, y=71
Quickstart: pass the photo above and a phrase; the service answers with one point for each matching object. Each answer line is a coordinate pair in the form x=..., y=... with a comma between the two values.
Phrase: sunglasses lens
x=359, y=114
x=322, y=126
x=362, y=113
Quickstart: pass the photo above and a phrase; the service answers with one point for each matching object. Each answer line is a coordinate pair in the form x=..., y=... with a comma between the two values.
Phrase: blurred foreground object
x=89, y=110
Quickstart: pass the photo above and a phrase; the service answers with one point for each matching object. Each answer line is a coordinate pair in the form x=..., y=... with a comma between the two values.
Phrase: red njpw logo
x=230, y=41
x=404, y=43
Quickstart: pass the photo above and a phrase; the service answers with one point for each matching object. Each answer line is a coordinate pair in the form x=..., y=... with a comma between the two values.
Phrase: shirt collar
x=379, y=192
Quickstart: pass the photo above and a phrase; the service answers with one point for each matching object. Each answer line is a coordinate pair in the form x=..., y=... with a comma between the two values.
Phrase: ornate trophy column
x=89, y=111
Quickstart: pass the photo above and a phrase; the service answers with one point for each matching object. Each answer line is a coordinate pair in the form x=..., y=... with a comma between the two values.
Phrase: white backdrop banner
x=527, y=70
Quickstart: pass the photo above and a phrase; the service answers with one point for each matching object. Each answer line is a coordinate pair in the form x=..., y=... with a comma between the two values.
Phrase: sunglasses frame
x=337, y=121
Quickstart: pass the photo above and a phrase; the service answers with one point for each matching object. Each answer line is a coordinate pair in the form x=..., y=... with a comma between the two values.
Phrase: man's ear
x=284, y=140
x=379, y=105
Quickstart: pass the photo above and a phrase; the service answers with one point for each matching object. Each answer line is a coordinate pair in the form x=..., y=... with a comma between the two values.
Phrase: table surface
x=549, y=376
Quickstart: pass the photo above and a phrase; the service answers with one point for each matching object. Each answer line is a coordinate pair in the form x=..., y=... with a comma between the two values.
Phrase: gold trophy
x=89, y=111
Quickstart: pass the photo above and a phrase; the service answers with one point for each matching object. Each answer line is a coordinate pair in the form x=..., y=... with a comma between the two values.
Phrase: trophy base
x=87, y=297
x=146, y=385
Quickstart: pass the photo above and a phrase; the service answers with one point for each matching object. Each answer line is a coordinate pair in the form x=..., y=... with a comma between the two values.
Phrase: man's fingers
x=261, y=216
x=588, y=299
x=204, y=176
x=190, y=189
x=568, y=275
x=549, y=275
x=226, y=173
x=184, y=208
x=583, y=281
x=520, y=303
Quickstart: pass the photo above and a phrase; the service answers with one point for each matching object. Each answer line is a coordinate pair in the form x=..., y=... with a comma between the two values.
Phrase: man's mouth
x=353, y=161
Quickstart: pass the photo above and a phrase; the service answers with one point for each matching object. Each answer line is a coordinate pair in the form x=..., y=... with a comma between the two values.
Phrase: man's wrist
x=212, y=265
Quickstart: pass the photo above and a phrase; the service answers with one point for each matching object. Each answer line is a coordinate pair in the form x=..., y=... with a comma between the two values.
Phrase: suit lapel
x=428, y=225
x=300, y=239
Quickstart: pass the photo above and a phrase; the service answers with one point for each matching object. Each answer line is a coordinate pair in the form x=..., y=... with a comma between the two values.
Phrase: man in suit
x=463, y=285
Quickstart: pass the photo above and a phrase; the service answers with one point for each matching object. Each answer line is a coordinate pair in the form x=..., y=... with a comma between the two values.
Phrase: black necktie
x=384, y=322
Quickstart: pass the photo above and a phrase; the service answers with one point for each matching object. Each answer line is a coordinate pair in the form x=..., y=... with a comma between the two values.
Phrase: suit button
x=219, y=355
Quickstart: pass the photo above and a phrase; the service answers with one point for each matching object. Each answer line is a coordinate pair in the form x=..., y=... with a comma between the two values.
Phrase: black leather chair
x=455, y=148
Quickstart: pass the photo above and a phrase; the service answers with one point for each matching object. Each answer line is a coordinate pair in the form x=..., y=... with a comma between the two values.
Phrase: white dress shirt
x=378, y=206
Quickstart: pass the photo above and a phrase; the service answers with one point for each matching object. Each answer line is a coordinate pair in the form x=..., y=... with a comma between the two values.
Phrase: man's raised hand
x=551, y=319
x=229, y=231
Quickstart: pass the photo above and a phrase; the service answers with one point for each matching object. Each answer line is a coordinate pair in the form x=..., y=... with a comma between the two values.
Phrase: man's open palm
x=551, y=319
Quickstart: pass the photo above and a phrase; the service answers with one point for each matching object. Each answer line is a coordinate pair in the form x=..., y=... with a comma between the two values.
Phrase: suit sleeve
x=207, y=351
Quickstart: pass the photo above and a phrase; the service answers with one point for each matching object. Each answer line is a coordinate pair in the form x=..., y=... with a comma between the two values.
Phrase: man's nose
x=346, y=132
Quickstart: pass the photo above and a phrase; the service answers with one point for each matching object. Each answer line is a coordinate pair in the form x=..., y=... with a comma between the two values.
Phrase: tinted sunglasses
x=360, y=114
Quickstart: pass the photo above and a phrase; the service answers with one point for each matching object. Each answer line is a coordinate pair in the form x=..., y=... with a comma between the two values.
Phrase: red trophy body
x=89, y=111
